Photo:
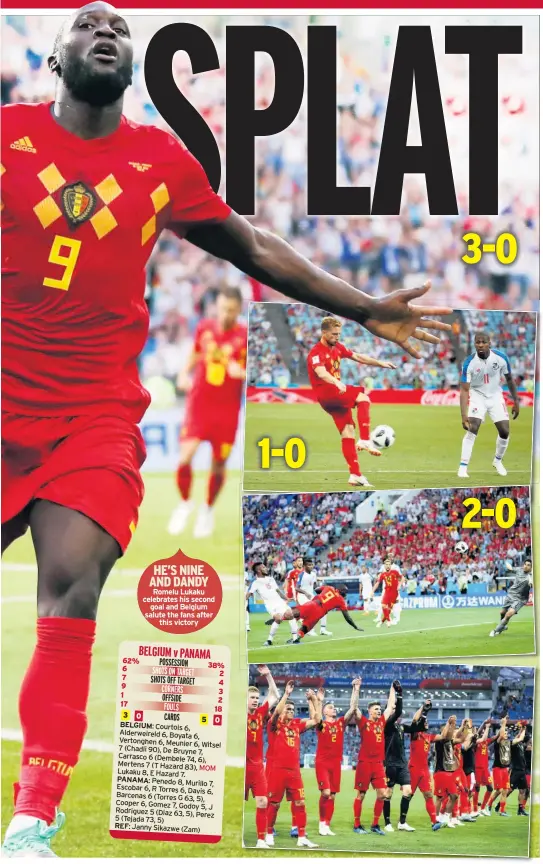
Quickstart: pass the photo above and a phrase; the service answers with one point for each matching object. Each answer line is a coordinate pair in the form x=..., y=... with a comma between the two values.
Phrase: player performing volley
x=481, y=394
x=90, y=201
x=517, y=595
x=329, y=755
x=392, y=580
x=339, y=399
x=370, y=768
x=255, y=777
x=419, y=770
x=284, y=775
x=326, y=600
x=307, y=582
x=217, y=364
x=265, y=588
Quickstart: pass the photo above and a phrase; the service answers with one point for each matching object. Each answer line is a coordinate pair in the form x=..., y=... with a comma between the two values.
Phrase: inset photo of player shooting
x=389, y=757
x=331, y=407
x=401, y=574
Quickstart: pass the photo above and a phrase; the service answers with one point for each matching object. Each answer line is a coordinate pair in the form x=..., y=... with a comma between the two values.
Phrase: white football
x=461, y=547
x=383, y=436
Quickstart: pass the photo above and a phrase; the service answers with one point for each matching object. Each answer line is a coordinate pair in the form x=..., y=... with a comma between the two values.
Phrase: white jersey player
x=307, y=584
x=481, y=394
x=365, y=583
x=265, y=588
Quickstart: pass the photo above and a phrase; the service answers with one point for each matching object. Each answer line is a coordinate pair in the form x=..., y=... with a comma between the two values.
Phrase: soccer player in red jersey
x=291, y=579
x=338, y=399
x=309, y=614
x=445, y=777
x=284, y=774
x=419, y=770
x=500, y=770
x=483, y=777
x=218, y=363
x=370, y=768
x=89, y=197
x=329, y=755
x=465, y=744
x=392, y=580
x=255, y=777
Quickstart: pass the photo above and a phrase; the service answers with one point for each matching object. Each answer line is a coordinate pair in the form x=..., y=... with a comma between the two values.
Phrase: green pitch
x=483, y=837
x=420, y=633
x=426, y=453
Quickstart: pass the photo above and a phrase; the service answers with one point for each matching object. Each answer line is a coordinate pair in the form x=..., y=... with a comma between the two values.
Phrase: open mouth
x=105, y=52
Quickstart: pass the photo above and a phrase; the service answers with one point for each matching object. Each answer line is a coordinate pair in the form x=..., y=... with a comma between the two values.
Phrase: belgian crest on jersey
x=78, y=202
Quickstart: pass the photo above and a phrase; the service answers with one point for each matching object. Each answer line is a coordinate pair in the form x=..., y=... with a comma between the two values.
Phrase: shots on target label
x=170, y=742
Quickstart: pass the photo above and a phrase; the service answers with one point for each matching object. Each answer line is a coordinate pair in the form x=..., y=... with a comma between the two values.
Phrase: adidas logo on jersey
x=140, y=166
x=23, y=144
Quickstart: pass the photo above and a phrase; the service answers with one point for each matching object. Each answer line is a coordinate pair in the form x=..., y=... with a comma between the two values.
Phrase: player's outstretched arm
x=268, y=258
x=365, y=360
x=324, y=375
x=352, y=710
x=520, y=737
x=273, y=693
x=350, y=621
x=315, y=710
x=183, y=382
x=515, y=411
x=391, y=703
x=280, y=707
x=448, y=731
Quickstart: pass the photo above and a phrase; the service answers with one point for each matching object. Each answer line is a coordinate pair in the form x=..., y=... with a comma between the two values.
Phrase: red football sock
x=363, y=415
x=431, y=809
x=272, y=816
x=357, y=807
x=456, y=809
x=184, y=481
x=444, y=802
x=502, y=806
x=215, y=485
x=300, y=819
x=377, y=810
x=261, y=822
x=330, y=805
x=348, y=447
x=475, y=800
x=52, y=711
x=386, y=613
x=464, y=802
x=293, y=813
x=486, y=799
x=323, y=801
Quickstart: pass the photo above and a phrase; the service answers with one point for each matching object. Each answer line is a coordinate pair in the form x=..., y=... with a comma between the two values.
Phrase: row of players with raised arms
x=461, y=762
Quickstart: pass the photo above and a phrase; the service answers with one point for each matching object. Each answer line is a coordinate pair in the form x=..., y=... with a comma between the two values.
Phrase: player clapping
x=255, y=777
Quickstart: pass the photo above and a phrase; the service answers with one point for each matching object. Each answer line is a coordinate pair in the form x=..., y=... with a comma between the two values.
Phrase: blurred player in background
x=517, y=595
x=308, y=582
x=291, y=579
x=370, y=769
x=365, y=590
x=481, y=394
x=392, y=580
x=255, y=777
x=284, y=775
x=217, y=365
x=329, y=755
x=338, y=399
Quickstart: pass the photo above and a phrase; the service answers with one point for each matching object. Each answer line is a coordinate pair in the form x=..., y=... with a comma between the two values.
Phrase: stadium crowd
x=439, y=369
x=376, y=254
x=420, y=537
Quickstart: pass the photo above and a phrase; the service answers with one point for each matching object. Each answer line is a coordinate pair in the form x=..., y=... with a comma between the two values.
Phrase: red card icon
x=217, y=719
x=138, y=716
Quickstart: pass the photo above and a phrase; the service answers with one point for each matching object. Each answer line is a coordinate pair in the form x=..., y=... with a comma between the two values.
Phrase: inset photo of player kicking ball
x=389, y=757
x=331, y=406
x=390, y=574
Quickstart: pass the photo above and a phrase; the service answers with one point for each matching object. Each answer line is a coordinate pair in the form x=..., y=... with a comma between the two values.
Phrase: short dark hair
x=256, y=565
x=290, y=702
x=527, y=560
x=482, y=334
x=372, y=705
x=231, y=292
x=343, y=590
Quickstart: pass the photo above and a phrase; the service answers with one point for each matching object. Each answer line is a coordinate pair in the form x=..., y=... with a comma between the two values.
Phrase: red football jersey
x=324, y=602
x=482, y=753
x=330, y=740
x=291, y=581
x=419, y=750
x=391, y=579
x=330, y=358
x=80, y=219
x=213, y=388
x=372, y=739
x=286, y=743
x=255, y=734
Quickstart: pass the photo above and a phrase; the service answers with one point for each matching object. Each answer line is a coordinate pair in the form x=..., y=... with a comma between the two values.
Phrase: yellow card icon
x=125, y=715
x=204, y=719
